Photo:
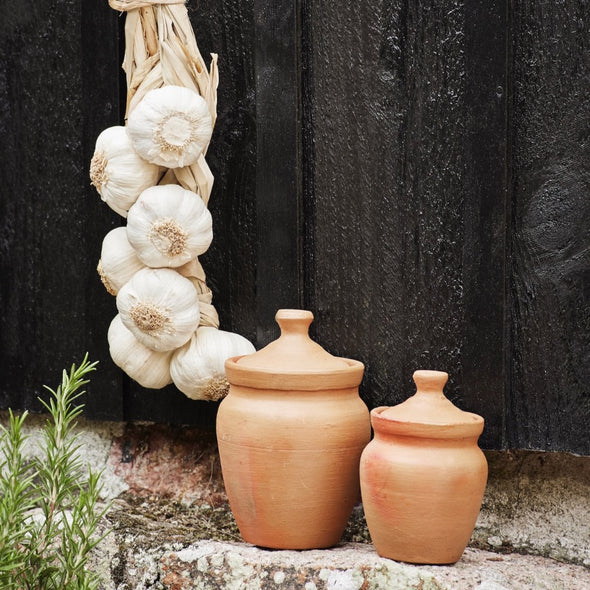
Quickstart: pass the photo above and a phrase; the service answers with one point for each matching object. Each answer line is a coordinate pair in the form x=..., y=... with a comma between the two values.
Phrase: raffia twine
x=125, y=5
x=161, y=50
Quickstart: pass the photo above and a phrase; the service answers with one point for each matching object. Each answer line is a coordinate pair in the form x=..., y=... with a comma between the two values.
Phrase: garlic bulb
x=198, y=368
x=149, y=368
x=160, y=307
x=118, y=172
x=118, y=260
x=171, y=126
x=169, y=226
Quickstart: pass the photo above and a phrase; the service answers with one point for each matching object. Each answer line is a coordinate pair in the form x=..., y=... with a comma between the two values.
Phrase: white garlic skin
x=118, y=260
x=117, y=171
x=160, y=307
x=198, y=367
x=171, y=126
x=169, y=226
x=149, y=368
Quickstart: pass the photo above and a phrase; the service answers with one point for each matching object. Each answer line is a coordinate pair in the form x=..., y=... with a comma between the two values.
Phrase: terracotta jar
x=290, y=432
x=423, y=476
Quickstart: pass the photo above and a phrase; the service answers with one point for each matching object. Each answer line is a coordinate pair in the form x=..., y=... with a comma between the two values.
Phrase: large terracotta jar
x=423, y=476
x=291, y=432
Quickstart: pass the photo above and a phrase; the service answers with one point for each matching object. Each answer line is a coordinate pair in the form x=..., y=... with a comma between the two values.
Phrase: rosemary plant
x=49, y=511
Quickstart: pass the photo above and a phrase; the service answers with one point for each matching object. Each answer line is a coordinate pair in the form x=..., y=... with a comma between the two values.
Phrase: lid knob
x=294, y=321
x=430, y=381
x=429, y=406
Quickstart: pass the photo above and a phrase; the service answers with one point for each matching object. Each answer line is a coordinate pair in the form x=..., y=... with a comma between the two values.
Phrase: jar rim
x=472, y=426
x=302, y=380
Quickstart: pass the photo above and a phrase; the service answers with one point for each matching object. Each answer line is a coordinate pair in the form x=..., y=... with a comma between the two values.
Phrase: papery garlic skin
x=198, y=367
x=160, y=307
x=117, y=171
x=118, y=260
x=171, y=126
x=169, y=226
x=149, y=368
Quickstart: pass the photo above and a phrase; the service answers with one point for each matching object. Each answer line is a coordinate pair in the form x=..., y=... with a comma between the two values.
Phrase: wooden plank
x=227, y=28
x=278, y=184
x=46, y=252
x=484, y=347
x=394, y=135
x=101, y=105
x=549, y=402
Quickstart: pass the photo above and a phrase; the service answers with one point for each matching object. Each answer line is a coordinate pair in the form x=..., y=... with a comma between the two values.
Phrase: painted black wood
x=278, y=182
x=100, y=39
x=415, y=174
x=483, y=343
x=409, y=123
x=51, y=312
x=549, y=401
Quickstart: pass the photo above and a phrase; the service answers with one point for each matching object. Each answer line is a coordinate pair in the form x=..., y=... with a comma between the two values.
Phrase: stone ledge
x=220, y=565
x=169, y=498
x=159, y=545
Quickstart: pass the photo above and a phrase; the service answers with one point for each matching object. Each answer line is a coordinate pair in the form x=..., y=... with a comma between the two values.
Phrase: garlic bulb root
x=148, y=317
x=169, y=226
x=198, y=367
x=149, y=368
x=160, y=307
x=98, y=170
x=105, y=280
x=170, y=126
x=118, y=172
x=168, y=237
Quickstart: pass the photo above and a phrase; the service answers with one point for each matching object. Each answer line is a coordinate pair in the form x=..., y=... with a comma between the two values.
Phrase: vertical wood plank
x=550, y=402
x=278, y=190
x=100, y=73
x=404, y=153
x=227, y=28
x=485, y=345
x=47, y=252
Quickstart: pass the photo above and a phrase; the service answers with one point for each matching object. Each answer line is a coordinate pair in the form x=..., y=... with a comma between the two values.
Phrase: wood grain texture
x=484, y=343
x=227, y=28
x=278, y=183
x=49, y=306
x=549, y=404
x=416, y=174
x=397, y=201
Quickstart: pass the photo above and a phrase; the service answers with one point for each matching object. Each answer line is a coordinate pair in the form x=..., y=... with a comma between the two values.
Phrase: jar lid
x=429, y=406
x=296, y=355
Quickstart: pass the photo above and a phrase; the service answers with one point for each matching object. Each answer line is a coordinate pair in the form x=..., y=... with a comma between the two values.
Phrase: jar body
x=421, y=494
x=290, y=462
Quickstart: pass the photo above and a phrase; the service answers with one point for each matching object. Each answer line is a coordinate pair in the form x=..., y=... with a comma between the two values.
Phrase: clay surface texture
x=423, y=476
x=290, y=433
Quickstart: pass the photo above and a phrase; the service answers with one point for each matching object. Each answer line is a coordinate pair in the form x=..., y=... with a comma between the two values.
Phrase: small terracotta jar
x=423, y=476
x=291, y=432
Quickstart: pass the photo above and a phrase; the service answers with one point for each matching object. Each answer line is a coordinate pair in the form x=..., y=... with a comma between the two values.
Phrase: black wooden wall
x=416, y=174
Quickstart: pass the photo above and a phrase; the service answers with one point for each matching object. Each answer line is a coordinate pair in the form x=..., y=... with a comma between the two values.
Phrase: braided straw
x=161, y=50
x=125, y=5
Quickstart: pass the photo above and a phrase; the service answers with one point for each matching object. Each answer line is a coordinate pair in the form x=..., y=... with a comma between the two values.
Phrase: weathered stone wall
x=171, y=526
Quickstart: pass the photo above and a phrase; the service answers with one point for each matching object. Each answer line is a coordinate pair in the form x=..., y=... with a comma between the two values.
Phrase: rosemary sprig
x=49, y=512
